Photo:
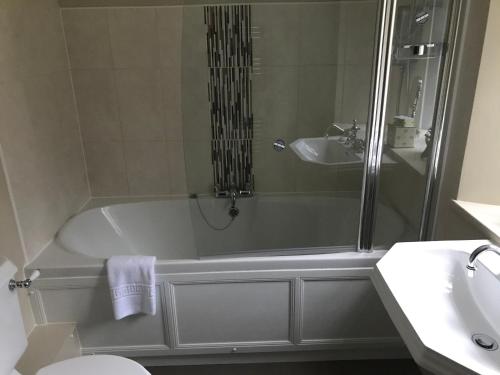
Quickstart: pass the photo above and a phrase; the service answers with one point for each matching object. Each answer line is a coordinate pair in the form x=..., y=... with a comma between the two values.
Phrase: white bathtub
x=219, y=309
x=175, y=229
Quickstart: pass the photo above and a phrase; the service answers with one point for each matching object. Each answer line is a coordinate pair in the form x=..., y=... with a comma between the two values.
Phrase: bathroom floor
x=371, y=367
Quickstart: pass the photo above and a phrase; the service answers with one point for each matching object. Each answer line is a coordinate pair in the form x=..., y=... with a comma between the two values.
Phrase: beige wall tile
x=176, y=167
x=316, y=99
x=140, y=100
x=276, y=31
x=169, y=26
x=106, y=168
x=361, y=20
x=87, y=38
x=195, y=104
x=43, y=155
x=134, y=41
x=273, y=171
x=97, y=104
x=41, y=38
x=321, y=41
x=46, y=167
x=355, y=100
x=198, y=167
x=9, y=47
x=11, y=246
x=147, y=167
x=194, y=37
x=171, y=96
x=275, y=102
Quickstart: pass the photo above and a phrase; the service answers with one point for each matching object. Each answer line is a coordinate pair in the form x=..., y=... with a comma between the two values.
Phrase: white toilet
x=13, y=341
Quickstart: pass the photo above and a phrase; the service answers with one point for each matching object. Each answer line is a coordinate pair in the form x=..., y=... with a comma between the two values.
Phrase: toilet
x=13, y=341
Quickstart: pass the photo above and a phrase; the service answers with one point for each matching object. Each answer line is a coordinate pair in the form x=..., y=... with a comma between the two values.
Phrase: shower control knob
x=279, y=145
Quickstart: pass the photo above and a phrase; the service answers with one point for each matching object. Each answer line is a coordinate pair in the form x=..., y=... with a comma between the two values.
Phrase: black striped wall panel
x=229, y=58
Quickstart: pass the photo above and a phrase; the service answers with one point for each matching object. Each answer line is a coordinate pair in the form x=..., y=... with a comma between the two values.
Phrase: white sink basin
x=330, y=151
x=326, y=151
x=437, y=305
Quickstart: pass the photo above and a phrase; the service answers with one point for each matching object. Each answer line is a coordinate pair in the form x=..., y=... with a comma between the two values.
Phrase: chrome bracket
x=227, y=194
x=14, y=284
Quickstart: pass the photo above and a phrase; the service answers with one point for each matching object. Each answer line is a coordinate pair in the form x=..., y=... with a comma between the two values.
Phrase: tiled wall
x=126, y=71
x=39, y=134
x=140, y=78
x=312, y=67
x=319, y=74
x=11, y=248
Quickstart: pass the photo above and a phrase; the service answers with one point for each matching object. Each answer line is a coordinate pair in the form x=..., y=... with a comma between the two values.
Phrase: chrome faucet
x=233, y=194
x=471, y=266
x=336, y=127
x=358, y=145
x=351, y=134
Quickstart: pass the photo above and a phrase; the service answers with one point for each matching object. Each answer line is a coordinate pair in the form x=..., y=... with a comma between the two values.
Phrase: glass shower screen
x=275, y=100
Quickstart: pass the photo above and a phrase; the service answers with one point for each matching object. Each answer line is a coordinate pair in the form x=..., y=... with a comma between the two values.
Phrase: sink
x=326, y=151
x=437, y=305
x=330, y=151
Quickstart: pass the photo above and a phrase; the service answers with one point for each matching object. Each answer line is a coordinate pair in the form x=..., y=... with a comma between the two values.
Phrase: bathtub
x=178, y=228
x=223, y=296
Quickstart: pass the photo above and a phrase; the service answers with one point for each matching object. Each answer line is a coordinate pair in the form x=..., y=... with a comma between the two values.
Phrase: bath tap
x=351, y=135
x=358, y=145
x=233, y=194
x=336, y=127
x=471, y=266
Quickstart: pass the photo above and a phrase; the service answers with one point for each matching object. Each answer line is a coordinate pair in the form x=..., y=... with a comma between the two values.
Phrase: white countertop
x=413, y=155
x=485, y=216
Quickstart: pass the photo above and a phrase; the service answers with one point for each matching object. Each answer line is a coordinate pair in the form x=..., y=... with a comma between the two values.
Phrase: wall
x=11, y=247
x=481, y=171
x=312, y=67
x=126, y=70
x=39, y=131
x=140, y=78
x=448, y=223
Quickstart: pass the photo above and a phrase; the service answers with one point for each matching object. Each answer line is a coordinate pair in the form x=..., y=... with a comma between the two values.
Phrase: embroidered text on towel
x=131, y=289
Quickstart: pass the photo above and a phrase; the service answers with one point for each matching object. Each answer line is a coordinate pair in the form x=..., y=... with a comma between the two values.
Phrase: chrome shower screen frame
x=376, y=124
x=435, y=162
x=375, y=132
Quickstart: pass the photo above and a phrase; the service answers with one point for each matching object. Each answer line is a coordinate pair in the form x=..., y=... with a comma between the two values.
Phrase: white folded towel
x=132, y=285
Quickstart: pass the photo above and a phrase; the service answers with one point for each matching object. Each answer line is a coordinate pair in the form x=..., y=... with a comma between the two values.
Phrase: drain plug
x=484, y=341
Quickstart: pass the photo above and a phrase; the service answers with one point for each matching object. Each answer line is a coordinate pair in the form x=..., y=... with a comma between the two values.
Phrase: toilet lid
x=94, y=365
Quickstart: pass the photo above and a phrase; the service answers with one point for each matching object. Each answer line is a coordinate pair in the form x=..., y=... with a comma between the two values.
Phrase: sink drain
x=484, y=341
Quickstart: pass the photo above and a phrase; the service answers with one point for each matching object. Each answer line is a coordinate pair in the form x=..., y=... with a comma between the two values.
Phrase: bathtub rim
x=55, y=262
